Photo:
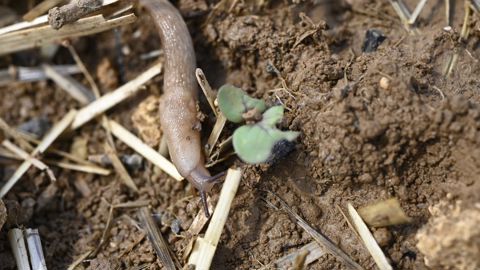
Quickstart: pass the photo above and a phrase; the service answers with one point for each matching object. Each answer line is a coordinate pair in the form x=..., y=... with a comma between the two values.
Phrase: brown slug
x=178, y=111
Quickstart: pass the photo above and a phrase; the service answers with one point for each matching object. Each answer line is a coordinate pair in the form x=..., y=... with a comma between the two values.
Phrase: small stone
x=459, y=104
x=107, y=75
x=384, y=83
x=383, y=236
x=365, y=178
x=280, y=150
x=373, y=39
x=176, y=226
x=37, y=126
x=133, y=162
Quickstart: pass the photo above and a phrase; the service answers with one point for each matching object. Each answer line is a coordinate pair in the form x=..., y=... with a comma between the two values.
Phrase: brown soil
x=415, y=136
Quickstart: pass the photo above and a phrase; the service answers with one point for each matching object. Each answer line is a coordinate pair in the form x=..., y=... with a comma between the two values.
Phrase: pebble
x=384, y=83
x=383, y=236
x=373, y=39
x=37, y=126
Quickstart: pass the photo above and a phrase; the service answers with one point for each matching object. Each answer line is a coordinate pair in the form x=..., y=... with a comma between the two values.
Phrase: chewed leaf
x=254, y=143
x=234, y=102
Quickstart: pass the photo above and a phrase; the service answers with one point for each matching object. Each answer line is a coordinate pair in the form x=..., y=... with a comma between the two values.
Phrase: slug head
x=202, y=181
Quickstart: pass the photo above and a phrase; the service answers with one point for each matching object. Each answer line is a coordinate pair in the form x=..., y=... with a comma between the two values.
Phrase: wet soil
x=375, y=125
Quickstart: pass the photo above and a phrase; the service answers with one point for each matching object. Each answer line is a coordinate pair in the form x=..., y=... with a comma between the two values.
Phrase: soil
x=374, y=125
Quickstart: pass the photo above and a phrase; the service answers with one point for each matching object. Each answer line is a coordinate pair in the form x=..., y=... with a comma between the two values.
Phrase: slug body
x=178, y=110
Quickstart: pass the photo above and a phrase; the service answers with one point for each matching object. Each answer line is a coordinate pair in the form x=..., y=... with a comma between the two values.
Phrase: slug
x=178, y=110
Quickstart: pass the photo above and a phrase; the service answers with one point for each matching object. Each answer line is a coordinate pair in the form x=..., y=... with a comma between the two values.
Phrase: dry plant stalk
x=41, y=35
x=223, y=146
x=109, y=224
x=86, y=168
x=146, y=151
x=401, y=11
x=300, y=260
x=320, y=238
x=111, y=99
x=120, y=169
x=215, y=134
x=25, y=156
x=207, y=90
x=41, y=9
x=200, y=220
x=447, y=12
x=384, y=213
x=416, y=12
x=71, y=12
x=60, y=153
x=35, y=250
x=79, y=260
x=221, y=119
x=3, y=214
x=52, y=135
x=156, y=238
x=23, y=25
x=196, y=227
x=80, y=168
x=314, y=253
x=110, y=145
x=42, y=20
x=74, y=88
x=76, y=9
x=15, y=134
x=17, y=243
x=32, y=74
x=205, y=247
x=369, y=241
x=452, y=62
x=83, y=69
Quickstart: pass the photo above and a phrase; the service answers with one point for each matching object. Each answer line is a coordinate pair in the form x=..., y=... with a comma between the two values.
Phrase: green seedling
x=234, y=102
x=254, y=141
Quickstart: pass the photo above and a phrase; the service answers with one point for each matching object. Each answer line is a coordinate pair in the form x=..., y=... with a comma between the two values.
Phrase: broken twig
x=35, y=250
x=111, y=99
x=74, y=88
x=71, y=12
x=38, y=36
x=17, y=243
x=41, y=9
x=146, y=151
x=320, y=238
x=369, y=240
x=44, y=144
x=205, y=247
x=156, y=238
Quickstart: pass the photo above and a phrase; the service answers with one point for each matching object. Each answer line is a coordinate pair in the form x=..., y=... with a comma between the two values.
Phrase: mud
x=374, y=125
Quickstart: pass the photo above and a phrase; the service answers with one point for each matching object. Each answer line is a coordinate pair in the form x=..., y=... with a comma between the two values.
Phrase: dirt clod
x=451, y=239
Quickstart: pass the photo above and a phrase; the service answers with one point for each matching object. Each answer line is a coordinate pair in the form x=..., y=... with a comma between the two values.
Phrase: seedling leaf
x=254, y=143
x=272, y=116
x=233, y=102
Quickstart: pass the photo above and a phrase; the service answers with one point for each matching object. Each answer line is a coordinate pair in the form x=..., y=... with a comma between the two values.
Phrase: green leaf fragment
x=234, y=102
x=254, y=143
x=272, y=116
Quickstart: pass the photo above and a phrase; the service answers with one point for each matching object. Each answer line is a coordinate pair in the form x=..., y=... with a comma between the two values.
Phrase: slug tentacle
x=206, y=185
